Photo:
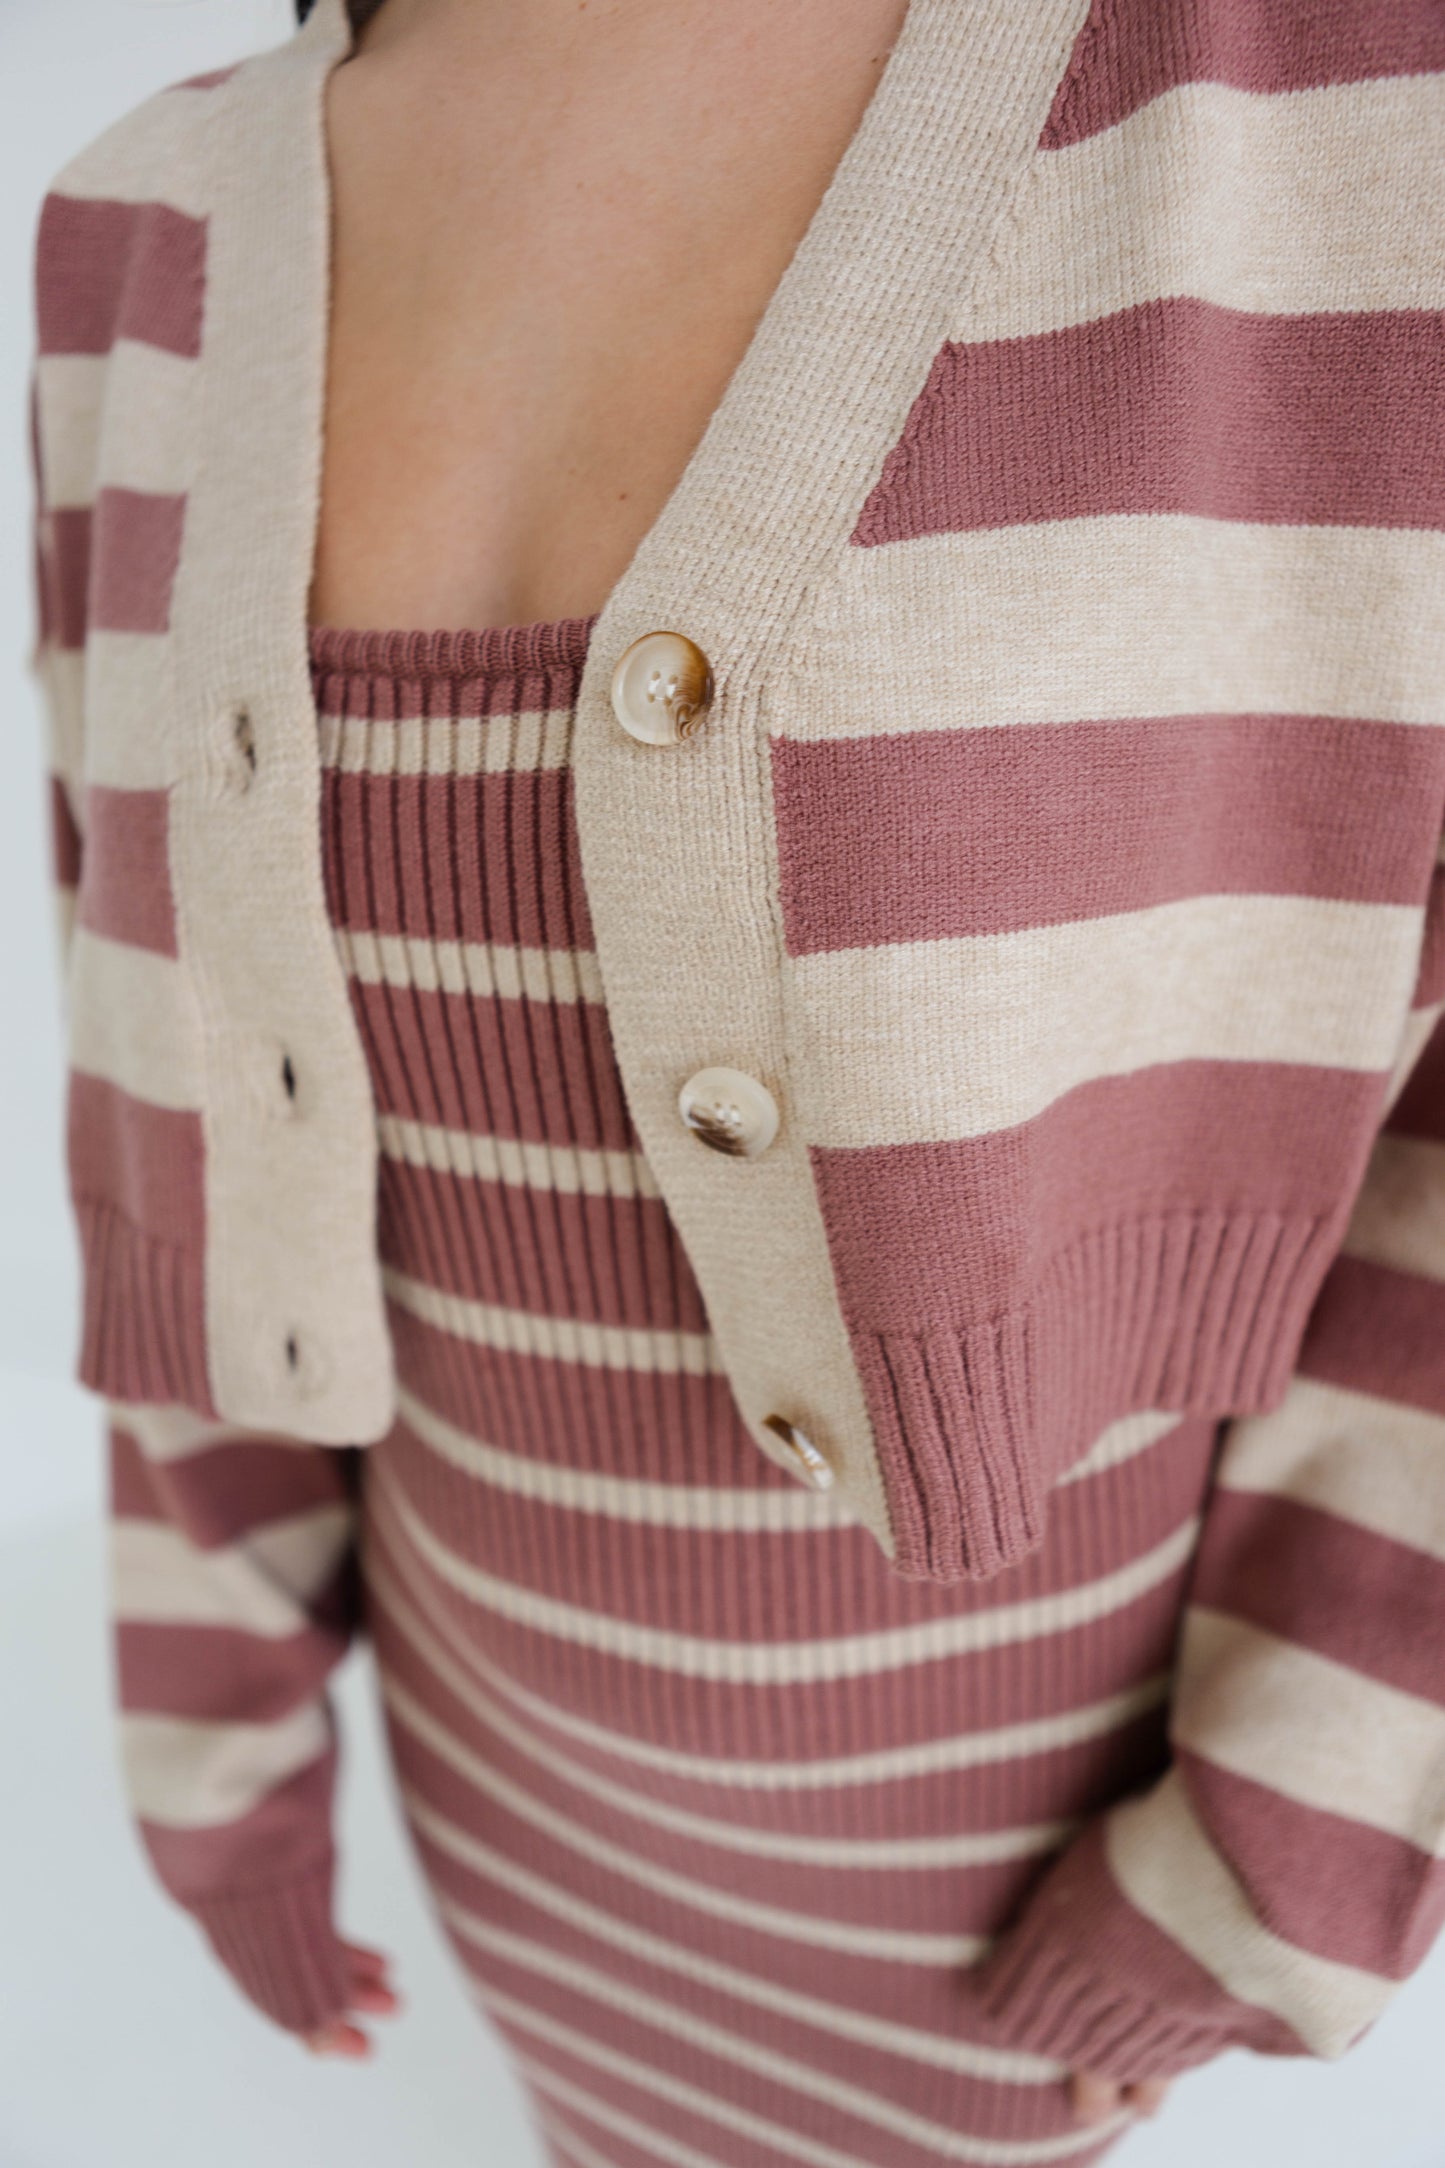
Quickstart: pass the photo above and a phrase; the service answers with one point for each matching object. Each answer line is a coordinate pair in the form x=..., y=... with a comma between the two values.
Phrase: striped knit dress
x=715, y=1807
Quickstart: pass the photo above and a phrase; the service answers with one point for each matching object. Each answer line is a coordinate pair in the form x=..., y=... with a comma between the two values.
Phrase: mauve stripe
x=538, y=1072
x=958, y=1899
x=972, y=1796
x=603, y=1260
x=214, y=1674
x=1420, y=1109
x=225, y=1490
x=501, y=667
x=67, y=574
x=272, y=1844
x=732, y=2107
x=1175, y=406
x=625, y=1423
x=910, y=1224
x=498, y=862
x=1130, y=51
x=1327, y=1585
x=143, y=1322
x=107, y=270
x=745, y=1997
x=136, y=546
x=144, y=1160
x=1081, y=820
x=211, y=80
x=126, y=893
x=1378, y=1331
x=707, y=1582
x=1348, y=1893
x=819, y=1717
x=830, y=2062
x=66, y=848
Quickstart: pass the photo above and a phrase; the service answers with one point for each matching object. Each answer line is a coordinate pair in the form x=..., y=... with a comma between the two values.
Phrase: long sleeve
x=232, y=1561
x=1288, y=1870
x=232, y=1596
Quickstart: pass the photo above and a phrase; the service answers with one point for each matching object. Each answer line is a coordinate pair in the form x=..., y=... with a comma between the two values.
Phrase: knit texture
x=1061, y=850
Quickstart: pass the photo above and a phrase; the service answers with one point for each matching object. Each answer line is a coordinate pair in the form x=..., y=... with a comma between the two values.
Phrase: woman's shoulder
x=120, y=240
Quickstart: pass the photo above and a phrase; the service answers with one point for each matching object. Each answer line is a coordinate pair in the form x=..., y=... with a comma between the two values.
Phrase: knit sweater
x=1058, y=850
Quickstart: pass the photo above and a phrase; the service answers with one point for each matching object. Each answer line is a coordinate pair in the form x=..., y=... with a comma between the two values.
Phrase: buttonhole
x=293, y=1351
x=245, y=737
x=288, y=1077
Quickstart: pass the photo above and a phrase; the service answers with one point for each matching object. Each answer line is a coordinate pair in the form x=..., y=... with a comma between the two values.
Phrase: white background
x=120, y=2045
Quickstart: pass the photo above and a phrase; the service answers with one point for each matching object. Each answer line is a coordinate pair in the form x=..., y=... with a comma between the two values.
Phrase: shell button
x=661, y=688
x=729, y=1112
x=807, y=1461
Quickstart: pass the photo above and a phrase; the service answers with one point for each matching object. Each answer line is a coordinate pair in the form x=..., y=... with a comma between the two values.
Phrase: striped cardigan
x=1060, y=849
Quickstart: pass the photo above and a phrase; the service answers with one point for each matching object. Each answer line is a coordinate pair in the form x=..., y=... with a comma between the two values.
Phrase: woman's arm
x=232, y=1595
x=1289, y=1869
x=232, y=1565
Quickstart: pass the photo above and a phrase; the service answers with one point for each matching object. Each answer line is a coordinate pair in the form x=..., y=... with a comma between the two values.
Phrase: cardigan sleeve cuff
x=282, y=1950
x=1084, y=1979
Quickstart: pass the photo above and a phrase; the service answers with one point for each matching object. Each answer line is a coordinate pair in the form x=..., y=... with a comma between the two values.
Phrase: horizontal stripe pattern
x=1113, y=417
x=1128, y=54
x=1158, y=522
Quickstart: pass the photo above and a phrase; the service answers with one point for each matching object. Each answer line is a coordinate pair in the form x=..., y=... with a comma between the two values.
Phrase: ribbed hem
x=556, y=643
x=1188, y=1312
x=143, y=1324
x=281, y=1949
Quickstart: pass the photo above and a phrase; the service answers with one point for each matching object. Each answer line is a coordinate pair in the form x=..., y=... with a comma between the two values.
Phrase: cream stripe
x=1120, y=616
x=484, y=971
x=797, y=1663
x=569, y=1971
x=884, y=1765
x=554, y=1339
x=657, y=2083
x=988, y=1031
x=188, y=1775
x=1123, y=1441
x=1265, y=210
x=1311, y=1729
x=132, y=1021
x=262, y=1586
x=159, y=137
x=662, y=1505
x=569, y=1170
x=1169, y=1871
x=446, y=745
x=1375, y=1462
x=127, y=744
x=888, y=1945
x=149, y=388
x=859, y=1855
x=935, y=2050
x=173, y=1432
x=1399, y=1216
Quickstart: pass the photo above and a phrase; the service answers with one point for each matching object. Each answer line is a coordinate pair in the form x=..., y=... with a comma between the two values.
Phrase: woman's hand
x=370, y=1993
x=1095, y=2099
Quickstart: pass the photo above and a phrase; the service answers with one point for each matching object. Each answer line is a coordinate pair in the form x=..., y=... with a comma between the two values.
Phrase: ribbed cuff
x=1083, y=1978
x=1054, y=2004
x=281, y=1949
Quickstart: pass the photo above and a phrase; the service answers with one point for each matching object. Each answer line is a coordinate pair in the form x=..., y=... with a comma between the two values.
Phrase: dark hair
x=360, y=11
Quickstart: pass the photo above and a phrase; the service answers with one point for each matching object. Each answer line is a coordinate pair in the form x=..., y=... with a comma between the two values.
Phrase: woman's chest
x=541, y=284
